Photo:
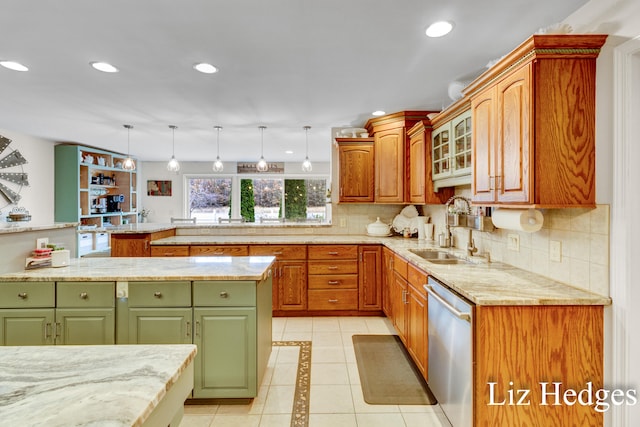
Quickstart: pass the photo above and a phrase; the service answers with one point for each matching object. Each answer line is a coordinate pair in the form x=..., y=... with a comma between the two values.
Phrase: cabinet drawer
x=224, y=293
x=333, y=252
x=333, y=267
x=85, y=294
x=329, y=299
x=333, y=281
x=160, y=294
x=27, y=294
x=218, y=250
x=416, y=276
x=400, y=265
x=169, y=250
x=280, y=251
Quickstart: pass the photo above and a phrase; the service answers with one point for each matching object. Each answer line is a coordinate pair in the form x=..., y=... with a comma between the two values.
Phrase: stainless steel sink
x=438, y=257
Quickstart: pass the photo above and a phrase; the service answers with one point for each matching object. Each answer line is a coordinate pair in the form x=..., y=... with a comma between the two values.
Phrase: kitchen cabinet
x=219, y=250
x=136, y=244
x=533, y=119
x=421, y=183
x=174, y=250
x=84, y=313
x=333, y=277
x=289, y=275
x=356, y=169
x=160, y=312
x=388, y=275
x=233, y=334
x=369, y=278
x=398, y=297
x=92, y=188
x=417, y=331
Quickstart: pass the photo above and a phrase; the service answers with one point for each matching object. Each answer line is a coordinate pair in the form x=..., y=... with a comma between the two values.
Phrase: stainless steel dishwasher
x=450, y=352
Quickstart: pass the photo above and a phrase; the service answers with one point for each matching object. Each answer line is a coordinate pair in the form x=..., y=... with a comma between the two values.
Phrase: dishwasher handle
x=459, y=314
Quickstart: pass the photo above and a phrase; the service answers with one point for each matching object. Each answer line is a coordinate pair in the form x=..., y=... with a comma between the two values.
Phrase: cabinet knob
x=84, y=295
x=157, y=294
x=22, y=295
x=224, y=294
x=333, y=301
x=333, y=253
x=332, y=267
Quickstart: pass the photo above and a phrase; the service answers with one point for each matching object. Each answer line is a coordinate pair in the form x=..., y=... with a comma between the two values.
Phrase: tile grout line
x=300, y=410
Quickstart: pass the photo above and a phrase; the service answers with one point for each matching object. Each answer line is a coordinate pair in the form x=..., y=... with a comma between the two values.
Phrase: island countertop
x=115, y=385
x=145, y=268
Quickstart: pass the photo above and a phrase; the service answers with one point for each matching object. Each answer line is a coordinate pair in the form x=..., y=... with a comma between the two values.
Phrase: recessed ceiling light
x=378, y=113
x=439, y=29
x=203, y=67
x=15, y=66
x=105, y=67
x=288, y=152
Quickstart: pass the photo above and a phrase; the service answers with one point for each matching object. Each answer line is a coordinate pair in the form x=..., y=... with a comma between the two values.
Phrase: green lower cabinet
x=27, y=326
x=85, y=326
x=225, y=365
x=160, y=326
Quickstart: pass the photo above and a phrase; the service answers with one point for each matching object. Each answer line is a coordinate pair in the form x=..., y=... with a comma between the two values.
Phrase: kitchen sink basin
x=438, y=257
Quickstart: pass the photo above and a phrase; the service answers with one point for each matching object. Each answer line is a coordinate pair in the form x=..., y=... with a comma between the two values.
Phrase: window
x=260, y=199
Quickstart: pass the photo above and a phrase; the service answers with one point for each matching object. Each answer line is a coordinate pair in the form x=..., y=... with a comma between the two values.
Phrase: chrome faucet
x=471, y=246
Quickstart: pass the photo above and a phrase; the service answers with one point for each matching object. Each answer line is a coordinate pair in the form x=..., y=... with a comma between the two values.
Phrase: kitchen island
x=222, y=305
x=61, y=386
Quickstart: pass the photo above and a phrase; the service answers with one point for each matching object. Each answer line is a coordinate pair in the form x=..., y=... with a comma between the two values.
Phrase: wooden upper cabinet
x=421, y=188
x=533, y=117
x=356, y=160
x=389, y=165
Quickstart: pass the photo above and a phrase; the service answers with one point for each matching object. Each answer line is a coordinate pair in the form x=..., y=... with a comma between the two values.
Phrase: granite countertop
x=87, y=385
x=145, y=268
x=481, y=282
x=19, y=227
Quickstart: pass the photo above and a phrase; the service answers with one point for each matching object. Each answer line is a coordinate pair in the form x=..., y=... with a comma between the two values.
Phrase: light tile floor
x=336, y=397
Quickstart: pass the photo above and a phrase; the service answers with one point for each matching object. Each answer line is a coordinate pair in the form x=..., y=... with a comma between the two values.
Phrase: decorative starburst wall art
x=9, y=166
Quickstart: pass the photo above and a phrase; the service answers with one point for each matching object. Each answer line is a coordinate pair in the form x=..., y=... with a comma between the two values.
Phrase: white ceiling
x=283, y=64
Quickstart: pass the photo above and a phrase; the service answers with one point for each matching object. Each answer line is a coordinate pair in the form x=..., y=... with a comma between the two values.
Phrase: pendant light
x=173, y=165
x=217, y=165
x=262, y=165
x=128, y=163
x=306, y=165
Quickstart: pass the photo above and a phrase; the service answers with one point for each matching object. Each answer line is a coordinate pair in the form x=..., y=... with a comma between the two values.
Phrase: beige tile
x=560, y=271
x=580, y=273
x=354, y=375
x=275, y=420
x=421, y=409
x=332, y=420
x=540, y=262
x=200, y=409
x=600, y=220
x=329, y=373
x=379, y=325
x=353, y=324
x=297, y=336
x=559, y=219
x=540, y=240
x=331, y=399
x=326, y=339
x=599, y=249
x=581, y=220
x=288, y=354
x=599, y=279
x=284, y=374
x=380, y=420
x=579, y=245
x=432, y=419
x=326, y=324
x=196, y=420
x=236, y=421
x=298, y=324
x=363, y=407
x=327, y=355
x=279, y=399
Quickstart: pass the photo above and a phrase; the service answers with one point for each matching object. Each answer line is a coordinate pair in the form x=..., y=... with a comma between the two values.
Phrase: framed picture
x=158, y=188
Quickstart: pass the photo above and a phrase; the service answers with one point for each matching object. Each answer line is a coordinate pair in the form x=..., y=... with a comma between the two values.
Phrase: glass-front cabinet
x=451, y=150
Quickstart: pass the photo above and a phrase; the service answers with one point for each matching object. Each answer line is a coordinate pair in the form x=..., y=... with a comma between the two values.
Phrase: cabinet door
x=369, y=274
x=417, y=335
x=387, y=280
x=484, y=171
x=85, y=326
x=514, y=149
x=399, y=303
x=291, y=283
x=219, y=250
x=26, y=326
x=130, y=245
x=225, y=365
x=440, y=152
x=389, y=170
x=160, y=326
x=461, y=144
x=417, y=158
x=356, y=172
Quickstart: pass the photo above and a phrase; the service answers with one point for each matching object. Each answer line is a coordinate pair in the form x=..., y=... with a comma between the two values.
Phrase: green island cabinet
x=47, y=313
x=229, y=321
x=86, y=179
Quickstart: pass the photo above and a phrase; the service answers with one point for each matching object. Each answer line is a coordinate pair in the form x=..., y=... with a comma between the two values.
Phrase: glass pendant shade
x=262, y=165
x=128, y=163
x=306, y=165
x=217, y=165
x=173, y=165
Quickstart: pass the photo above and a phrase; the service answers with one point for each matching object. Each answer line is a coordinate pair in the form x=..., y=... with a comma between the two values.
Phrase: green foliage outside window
x=295, y=198
x=247, y=201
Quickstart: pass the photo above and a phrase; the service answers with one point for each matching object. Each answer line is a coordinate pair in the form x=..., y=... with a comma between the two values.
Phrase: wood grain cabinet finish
x=219, y=250
x=533, y=117
x=333, y=272
x=417, y=331
x=388, y=275
x=356, y=170
x=369, y=278
x=177, y=250
x=389, y=165
x=136, y=244
x=289, y=275
x=398, y=297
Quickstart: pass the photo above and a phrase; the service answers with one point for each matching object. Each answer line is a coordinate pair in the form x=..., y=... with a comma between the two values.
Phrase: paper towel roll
x=528, y=220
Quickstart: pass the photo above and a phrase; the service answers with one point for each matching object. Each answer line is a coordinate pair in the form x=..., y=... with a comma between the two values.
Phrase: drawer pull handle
x=218, y=253
x=333, y=301
x=47, y=330
x=22, y=295
x=277, y=253
x=333, y=282
x=333, y=253
x=157, y=294
x=84, y=295
x=188, y=329
x=333, y=267
x=224, y=294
